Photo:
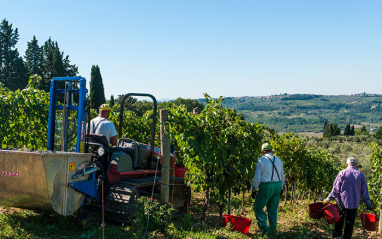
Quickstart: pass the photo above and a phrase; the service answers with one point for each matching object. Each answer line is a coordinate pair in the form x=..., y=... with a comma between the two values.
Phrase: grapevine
x=375, y=184
x=24, y=118
x=218, y=146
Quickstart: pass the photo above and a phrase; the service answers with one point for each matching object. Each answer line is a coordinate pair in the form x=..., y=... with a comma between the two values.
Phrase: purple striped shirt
x=348, y=188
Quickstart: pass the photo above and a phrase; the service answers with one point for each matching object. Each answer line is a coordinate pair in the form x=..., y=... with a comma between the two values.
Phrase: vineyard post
x=229, y=202
x=165, y=151
x=286, y=194
x=380, y=215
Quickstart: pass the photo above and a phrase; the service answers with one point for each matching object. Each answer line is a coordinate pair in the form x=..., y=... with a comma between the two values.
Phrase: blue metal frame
x=88, y=187
x=80, y=147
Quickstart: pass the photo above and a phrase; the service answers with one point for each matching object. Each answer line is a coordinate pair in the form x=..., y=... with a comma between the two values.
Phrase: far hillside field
x=307, y=113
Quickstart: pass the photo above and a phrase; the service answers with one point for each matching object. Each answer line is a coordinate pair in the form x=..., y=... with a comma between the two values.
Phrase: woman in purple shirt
x=348, y=188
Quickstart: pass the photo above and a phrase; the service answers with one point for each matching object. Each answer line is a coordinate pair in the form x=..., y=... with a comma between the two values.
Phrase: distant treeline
x=307, y=112
x=299, y=97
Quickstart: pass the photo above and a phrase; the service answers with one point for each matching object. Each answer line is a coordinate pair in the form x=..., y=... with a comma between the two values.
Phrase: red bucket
x=240, y=224
x=180, y=172
x=315, y=210
x=369, y=221
x=331, y=214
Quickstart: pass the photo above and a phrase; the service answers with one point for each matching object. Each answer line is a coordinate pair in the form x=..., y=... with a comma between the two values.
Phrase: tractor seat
x=99, y=139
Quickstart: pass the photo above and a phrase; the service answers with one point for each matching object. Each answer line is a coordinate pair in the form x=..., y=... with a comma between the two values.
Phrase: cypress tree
x=347, y=130
x=97, y=93
x=337, y=129
x=326, y=133
x=112, y=101
x=33, y=57
x=331, y=130
x=13, y=72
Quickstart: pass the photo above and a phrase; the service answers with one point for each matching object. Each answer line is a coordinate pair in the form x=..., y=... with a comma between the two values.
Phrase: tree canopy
x=45, y=61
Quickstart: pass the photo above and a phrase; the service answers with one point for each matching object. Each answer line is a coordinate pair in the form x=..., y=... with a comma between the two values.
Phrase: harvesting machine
x=79, y=169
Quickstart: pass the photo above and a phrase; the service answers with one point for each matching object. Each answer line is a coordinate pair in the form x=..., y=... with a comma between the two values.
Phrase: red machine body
x=176, y=170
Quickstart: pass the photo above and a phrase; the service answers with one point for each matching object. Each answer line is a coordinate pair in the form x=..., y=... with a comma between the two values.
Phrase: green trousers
x=269, y=196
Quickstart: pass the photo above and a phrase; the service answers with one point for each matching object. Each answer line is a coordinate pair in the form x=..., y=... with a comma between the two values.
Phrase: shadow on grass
x=314, y=230
x=28, y=224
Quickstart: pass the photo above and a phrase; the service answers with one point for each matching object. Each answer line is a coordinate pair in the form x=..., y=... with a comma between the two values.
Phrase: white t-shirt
x=100, y=125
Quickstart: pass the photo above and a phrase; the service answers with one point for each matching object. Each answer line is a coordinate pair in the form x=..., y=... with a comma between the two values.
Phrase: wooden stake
x=165, y=151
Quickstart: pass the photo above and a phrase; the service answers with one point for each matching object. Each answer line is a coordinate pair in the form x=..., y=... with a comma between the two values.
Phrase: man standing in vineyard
x=348, y=188
x=101, y=125
x=269, y=180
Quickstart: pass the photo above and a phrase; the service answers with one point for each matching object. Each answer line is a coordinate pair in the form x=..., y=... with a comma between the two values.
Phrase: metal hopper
x=40, y=181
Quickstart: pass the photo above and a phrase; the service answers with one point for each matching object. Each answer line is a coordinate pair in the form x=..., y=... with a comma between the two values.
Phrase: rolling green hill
x=308, y=112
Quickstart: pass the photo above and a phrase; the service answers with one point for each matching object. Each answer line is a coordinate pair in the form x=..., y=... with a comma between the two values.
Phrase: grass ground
x=293, y=222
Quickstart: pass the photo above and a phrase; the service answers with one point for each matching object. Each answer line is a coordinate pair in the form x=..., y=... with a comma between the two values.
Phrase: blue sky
x=184, y=48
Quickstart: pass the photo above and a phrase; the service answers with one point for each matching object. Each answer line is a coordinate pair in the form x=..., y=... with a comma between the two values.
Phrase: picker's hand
x=253, y=194
x=326, y=201
x=369, y=206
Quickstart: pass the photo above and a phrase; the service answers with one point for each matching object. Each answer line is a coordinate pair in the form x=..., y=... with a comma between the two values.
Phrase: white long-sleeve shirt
x=264, y=169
